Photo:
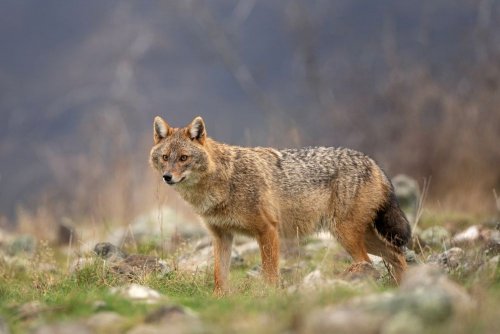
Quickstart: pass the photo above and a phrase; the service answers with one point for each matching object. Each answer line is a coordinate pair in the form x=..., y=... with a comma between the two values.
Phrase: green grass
x=451, y=219
x=250, y=307
x=66, y=296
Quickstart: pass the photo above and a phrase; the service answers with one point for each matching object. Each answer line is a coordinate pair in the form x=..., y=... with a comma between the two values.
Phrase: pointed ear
x=161, y=129
x=196, y=130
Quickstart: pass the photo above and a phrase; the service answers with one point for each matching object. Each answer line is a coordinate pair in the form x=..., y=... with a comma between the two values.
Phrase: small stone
x=158, y=225
x=432, y=305
x=4, y=328
x=203, y=243
x=64, y=328
x=342, y=320
x=133, y=265
x=23, y=244
x=138, y=292
x=404, y=322
x=236, y=259
x=99, y=305
x=30, y=310
x=254, y=272
x=171, y=319
x=361, y=270
x=470, y=235
x=449, y=259
x=489, y=270
x=411, y=256
x=248, y=247
x=108, y=251
x=435, y=236
x=165, y=313
x=314, y=279
x=492, y=242
x=147, y=329
x=378, y=264
x=106, y=322
x=66, y=233
x=408, y=194
x=427, y=281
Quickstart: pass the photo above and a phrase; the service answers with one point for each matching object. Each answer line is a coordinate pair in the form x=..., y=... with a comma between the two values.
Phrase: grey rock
x=76, y=327
x=66, y=233
x=148, y=329
x=170, y=319
x=316, y=280
x=99, y=305
x=106, y=322
x=198, y=259
x=138, y=293
x=203, y=243
x=254, y=272
x=408, y=194
x=108, y=251
x=236, y=259
x=470, y=235
x=379, y=265
x=427, y=281
x=22, y=244
x=248, y=247
x=361, y=271
x=435, y=236
x=4, y=237
x=157, y=226
x=166, y=313
x=4, y=328
x=492, y=242
x=343, y=320
x=403, y=323
x=411, y=256
x=485, y=235
x=176, y=318
x=426, y=297
x=433, y=307
x=31, y=309
x=488, y=271
x=449, y=260
x=133, y=265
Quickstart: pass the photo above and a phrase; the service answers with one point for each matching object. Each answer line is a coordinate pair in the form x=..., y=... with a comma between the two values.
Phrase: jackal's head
x=179, y=154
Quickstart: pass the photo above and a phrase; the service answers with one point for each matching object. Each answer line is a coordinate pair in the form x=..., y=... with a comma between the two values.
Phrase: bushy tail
x=391, y=223
x=390, y=233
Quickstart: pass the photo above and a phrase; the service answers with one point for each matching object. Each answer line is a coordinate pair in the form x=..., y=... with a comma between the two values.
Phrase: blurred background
x=414, y=84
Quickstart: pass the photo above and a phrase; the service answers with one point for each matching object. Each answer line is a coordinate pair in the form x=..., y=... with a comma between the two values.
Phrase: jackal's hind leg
x=390, y=253
x=351, y=237
x=269, y=243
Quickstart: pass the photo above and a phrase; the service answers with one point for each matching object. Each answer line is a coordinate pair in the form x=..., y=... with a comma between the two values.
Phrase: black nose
x=167, y=177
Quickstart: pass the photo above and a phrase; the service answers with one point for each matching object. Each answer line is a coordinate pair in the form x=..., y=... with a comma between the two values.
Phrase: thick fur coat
x=269, y=194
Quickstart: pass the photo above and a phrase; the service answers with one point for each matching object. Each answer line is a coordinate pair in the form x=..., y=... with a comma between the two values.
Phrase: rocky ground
x=137, y=280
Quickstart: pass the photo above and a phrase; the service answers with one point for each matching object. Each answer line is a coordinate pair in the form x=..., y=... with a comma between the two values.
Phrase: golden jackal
x=265, y=193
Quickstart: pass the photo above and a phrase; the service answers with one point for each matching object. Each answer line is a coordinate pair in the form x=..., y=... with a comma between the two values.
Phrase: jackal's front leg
x=222, y=242
x=268, y=240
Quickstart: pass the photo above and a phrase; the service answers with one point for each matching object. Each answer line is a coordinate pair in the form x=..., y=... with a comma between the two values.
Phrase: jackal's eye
x=164, y=157
x=183, y=158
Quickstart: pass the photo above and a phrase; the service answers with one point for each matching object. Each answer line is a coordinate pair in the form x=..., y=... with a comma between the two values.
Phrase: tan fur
x=268, y=194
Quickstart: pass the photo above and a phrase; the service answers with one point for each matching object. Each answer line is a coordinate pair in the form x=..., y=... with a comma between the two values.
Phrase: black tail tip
x=392, y=224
